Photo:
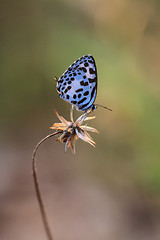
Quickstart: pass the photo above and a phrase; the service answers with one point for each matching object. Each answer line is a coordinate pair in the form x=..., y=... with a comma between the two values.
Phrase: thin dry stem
x=37, y=188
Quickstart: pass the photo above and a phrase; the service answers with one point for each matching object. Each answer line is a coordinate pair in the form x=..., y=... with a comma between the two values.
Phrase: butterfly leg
x=87, y=112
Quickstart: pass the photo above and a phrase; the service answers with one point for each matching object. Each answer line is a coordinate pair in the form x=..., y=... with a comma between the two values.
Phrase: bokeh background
x=113, y=191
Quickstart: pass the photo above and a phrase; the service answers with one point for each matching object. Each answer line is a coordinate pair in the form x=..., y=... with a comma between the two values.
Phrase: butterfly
x=78, y=84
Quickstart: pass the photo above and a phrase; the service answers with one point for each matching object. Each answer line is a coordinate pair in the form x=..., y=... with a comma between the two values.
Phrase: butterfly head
x=93, y=107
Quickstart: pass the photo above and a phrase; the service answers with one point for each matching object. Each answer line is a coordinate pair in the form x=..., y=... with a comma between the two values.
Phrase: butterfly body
x=78, y=84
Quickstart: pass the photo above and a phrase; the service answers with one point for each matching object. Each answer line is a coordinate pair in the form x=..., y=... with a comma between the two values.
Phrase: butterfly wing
x=78, y=84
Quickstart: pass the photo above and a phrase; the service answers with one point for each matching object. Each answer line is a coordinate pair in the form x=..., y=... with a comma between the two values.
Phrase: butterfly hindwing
x=78, y=84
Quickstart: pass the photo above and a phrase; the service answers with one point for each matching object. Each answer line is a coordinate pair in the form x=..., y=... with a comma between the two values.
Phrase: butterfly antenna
x=98, y=105
x=55, y=78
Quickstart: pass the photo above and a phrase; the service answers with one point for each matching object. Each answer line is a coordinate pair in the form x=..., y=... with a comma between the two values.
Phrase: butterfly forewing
x=78, y=84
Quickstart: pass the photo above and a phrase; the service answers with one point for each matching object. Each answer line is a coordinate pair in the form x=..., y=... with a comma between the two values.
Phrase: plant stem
x=37, y=188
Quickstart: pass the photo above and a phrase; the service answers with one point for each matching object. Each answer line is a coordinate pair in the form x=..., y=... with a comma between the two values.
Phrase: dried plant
x=70, y=132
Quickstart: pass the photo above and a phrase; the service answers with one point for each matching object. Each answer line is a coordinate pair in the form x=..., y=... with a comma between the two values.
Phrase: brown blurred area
x=110, y=192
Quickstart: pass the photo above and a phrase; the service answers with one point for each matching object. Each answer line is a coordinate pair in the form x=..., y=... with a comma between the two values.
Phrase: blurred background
x=112, y=191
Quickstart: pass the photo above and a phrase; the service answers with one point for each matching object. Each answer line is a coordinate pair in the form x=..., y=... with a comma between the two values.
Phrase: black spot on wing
x=91, y=61
x=93, y=91
x=91, y=80
x=60, y=81
x=86, y=64
x=91, y=71
x=82, y=100
x=82, y=83
x=83, y=69
x=74, y=102
x=83, y=107
x=86, y=84
x=58, y=88
x=79, y=90
x=76, y=66
x=86, y=93
x=67, y=89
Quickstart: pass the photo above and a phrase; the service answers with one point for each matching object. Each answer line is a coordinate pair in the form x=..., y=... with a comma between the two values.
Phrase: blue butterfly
x=78, y=84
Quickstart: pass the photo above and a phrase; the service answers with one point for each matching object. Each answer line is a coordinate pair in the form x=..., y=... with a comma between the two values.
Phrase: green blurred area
x=40, y=39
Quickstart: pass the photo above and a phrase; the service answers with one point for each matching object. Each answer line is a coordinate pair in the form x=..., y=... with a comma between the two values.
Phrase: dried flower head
x=72, y=131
